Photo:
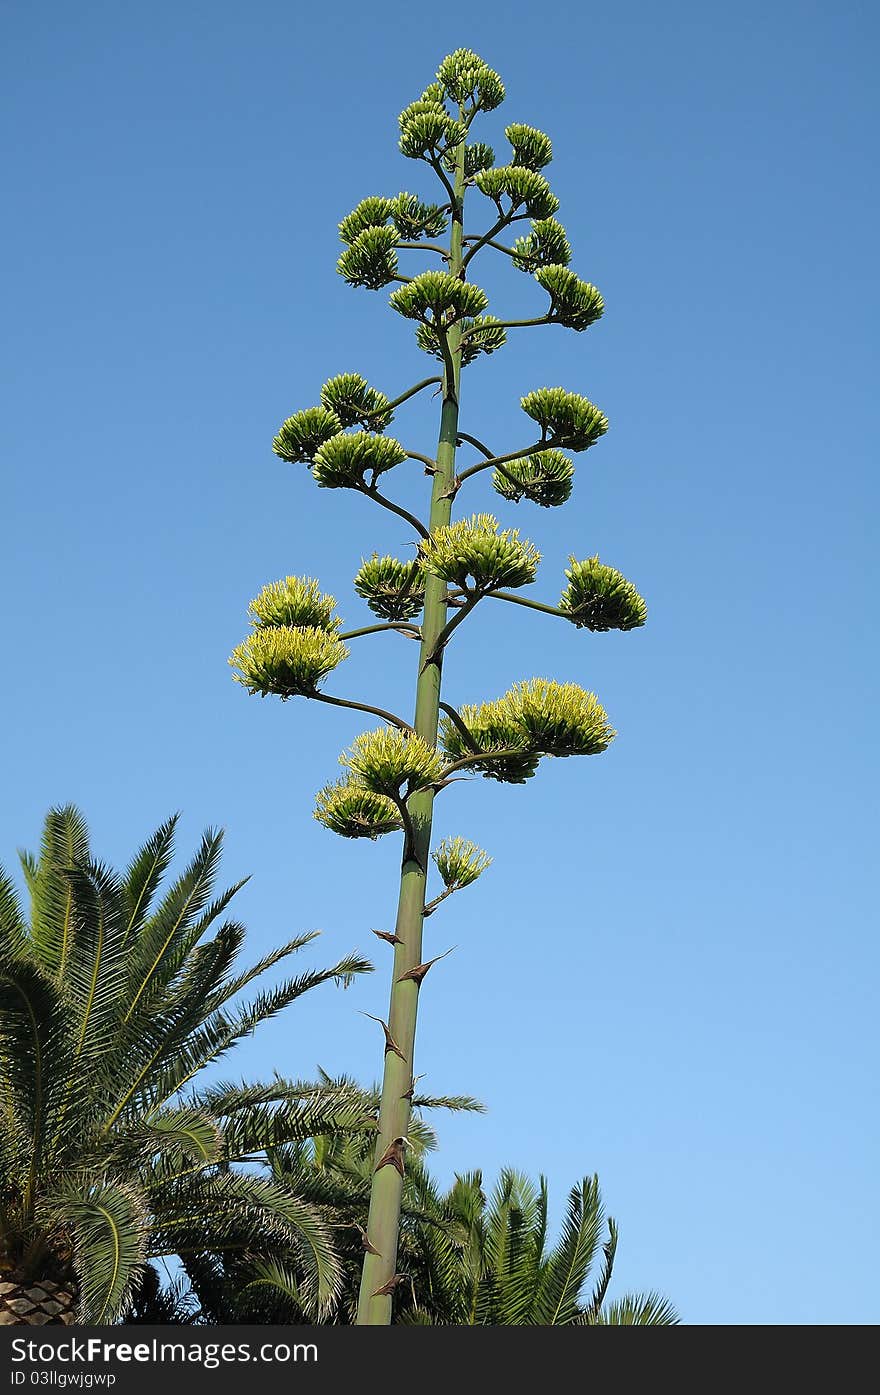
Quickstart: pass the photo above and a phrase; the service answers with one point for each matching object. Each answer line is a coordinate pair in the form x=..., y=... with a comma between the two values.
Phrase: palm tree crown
x=113, y=998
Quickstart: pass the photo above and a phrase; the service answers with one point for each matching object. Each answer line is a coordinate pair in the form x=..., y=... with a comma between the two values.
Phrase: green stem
x=412, y=630
x=501, y=460
x=383, y=1226
x=389, y=504
x=362, y=707
x=532, y=605
x=411, y=392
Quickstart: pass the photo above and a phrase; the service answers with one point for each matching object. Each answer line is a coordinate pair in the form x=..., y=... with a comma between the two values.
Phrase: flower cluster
x=460, y=862
x=544, y=478
x=599, y=598
x=287, y=660
x=387, y=759
x=565, y=418
x=533, y=719
x=353, y=811
x=392, y=589
x=475, y=552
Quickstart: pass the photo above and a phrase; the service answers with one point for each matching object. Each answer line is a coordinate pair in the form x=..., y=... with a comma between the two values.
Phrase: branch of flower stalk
x=472, y=441
x=500, y=247
x=443, y=341
x=438, y=170
x=410, y=392
x=424, y=247
x=364, y=707
x=411, y=631
x=504, y=754
x=404, y=280
x=438, y=900
x=373, y=493
x=504, y=221
x=515, y=324
x=456, y=720
x=498, y=460
x=428, y=461
x=531, y=605
x=451, y=625
x=409, y=844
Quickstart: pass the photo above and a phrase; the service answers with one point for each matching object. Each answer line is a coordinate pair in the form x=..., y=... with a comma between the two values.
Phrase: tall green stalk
x=395, y=773
x=385, y=1199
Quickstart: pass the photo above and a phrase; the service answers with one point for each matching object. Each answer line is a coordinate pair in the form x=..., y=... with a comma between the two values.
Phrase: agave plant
x=114, y=996
x=461, y=565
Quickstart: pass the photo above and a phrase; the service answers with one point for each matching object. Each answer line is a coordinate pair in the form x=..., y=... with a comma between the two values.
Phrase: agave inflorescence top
x=393, y=774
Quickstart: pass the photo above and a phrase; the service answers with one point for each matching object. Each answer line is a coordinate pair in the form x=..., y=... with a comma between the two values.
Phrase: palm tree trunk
x=374, y=1309
x=36, y=1302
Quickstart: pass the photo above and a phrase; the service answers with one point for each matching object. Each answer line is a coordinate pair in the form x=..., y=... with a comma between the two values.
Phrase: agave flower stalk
x=393, y=775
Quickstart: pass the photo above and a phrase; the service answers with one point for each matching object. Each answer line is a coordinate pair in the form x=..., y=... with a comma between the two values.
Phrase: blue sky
x=668, y=974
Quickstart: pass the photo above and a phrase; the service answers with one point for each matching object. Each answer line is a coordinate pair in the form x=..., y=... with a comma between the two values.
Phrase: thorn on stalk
x=408, y=1094
x=385, y=1290
x=390, y=1043
x=418, y=972
x=395, y=1155
x=390, y=939
x=365, y=1240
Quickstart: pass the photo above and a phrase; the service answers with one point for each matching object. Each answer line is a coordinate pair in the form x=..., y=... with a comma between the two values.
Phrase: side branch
x=373, y=493
x=456, y=720
x=501, y=460
x=411, y=631
x=531, y=605
x=424, y=247
x=364, y=707
x=504, y=754
x=411, y=392
x=504, y=221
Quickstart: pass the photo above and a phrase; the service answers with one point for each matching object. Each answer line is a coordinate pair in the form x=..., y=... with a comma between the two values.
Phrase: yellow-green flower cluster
x=295, y=601
x=387, y=759
x=573, y=302
x=438, y=294
x=532, y=150
x=474, y=552
x=353, y=811
x=393, y=590
x=482, y=335
x=600, y=598
x=525, y=188
x=289, y=661
x=565, y=418
x=345, y=460
x=371, y=260
x=466, y=79
x=354, y=403
x=544, y=478
x=533, y=719
x=545, y=245
x=301, y=435
x=460, y=862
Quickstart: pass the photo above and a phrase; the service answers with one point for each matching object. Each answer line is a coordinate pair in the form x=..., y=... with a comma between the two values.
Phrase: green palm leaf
x=564, y=1275
x=636, y=1310
x=65, y=843
x=107, y=1224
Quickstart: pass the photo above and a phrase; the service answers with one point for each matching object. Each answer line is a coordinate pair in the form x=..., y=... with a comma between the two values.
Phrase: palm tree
x=464, y=1260
x=112, y=1000
x=491, y=1264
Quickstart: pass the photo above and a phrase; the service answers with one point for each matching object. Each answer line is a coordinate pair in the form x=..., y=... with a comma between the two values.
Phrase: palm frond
x=636, y=1310
x=566, y=1270
x=144, y=874
x=106, y=1221
x=64, y=844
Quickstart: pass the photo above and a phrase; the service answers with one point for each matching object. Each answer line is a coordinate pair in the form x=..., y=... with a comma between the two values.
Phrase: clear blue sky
x=669, y=975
